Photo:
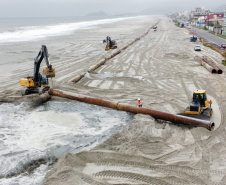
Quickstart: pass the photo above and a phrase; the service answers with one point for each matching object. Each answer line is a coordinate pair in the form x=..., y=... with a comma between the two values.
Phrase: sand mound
x=146, y=152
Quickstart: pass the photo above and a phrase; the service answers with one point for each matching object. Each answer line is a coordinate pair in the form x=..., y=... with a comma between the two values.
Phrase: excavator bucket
x=49, y=72
x=107, y=48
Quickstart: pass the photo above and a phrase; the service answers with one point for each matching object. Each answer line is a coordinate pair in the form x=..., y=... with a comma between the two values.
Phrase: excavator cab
x=111, y=44
x=199, y=107
x=33, y=83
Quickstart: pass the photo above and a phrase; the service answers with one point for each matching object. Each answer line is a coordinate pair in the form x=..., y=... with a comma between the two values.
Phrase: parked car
x=223, y=46
x=197, y=48
x=193, y=39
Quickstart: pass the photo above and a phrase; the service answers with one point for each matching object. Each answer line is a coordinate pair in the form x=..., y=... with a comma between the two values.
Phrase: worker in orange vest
x=139, y=103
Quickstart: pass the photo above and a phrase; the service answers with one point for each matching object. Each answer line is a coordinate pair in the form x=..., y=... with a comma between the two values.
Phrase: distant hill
x=127, y=14
x=150, y=11
x=98, y=14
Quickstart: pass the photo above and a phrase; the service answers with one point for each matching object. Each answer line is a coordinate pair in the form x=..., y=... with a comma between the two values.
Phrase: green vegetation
x=224, y=55
x=209, y=45
x=219, y=35
x=177, y=24
x=213, y=48
x=204, y=28
x=224, y=62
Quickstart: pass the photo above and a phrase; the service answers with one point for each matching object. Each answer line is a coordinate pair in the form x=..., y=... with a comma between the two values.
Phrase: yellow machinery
x=200, y=106
x=33, y=83
x=111, y=44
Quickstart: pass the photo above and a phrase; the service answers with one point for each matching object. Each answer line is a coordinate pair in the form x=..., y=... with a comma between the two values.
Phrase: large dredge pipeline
x=204, y=64
x=102, y=62
x=208, y=64
x=136, y=110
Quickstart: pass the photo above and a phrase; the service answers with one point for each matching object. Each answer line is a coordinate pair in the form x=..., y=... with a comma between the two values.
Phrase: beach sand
x=69, y=54
x=161, y=70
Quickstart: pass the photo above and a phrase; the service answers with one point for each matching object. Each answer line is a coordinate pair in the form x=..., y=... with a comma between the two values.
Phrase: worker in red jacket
x=139, y=103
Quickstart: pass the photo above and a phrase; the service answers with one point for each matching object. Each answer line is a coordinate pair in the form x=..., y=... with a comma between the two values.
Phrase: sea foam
x=29, y=33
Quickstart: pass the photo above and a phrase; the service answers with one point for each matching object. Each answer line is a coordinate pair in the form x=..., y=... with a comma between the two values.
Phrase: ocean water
x=28, y=29
x=32, y=140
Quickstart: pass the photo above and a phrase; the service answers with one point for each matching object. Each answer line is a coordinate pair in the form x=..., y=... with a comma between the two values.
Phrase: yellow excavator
x=111, y=44
x=37, y=81
x=200, y=106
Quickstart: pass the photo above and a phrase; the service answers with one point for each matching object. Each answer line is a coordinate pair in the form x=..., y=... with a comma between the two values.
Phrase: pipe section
x=81, y=98
x=79, y=77
x=211, y=63
x=206, y=65
x=40, y=99
x=136, y=110
x=98, y=65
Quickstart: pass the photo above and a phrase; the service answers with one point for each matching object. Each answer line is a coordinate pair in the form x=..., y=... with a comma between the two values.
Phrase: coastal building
x=213, y=16
x=224, y=26
x=197, y=13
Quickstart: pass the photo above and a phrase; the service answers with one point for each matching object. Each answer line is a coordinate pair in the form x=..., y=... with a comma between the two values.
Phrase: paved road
x=210, y=37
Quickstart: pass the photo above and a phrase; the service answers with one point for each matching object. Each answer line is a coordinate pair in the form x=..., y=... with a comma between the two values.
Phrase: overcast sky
x=52, y=8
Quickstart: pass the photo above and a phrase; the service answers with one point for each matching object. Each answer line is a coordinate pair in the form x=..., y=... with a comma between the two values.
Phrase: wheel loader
x=200, y=106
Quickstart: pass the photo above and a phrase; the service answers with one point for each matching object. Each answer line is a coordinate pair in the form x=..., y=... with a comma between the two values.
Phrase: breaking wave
x=29, y=33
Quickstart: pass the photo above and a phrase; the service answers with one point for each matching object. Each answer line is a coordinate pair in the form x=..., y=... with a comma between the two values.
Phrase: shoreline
x=20, y=57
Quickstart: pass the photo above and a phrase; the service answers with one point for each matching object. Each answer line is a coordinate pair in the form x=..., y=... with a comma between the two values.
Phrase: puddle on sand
x=110, y=75
x=104, y=75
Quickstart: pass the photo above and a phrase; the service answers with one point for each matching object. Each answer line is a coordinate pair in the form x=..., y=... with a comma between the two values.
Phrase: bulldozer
x=36, y=82
x=200, y=106
x=111, y=44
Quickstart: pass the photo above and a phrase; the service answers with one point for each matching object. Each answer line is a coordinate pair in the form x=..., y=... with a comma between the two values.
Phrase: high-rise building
x=224, y=27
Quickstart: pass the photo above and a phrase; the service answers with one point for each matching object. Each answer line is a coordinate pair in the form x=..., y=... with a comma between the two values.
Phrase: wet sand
x=161, y=70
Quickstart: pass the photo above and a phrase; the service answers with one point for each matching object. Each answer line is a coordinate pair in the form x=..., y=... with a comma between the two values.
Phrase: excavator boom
x=49, y=71
x=37, y=80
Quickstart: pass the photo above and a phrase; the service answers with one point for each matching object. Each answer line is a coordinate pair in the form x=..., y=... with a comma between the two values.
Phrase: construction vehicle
x=37, y=82
x=223, y=46
x=193, y=39
x=181, y=25
x=111, y=44
x=200, y=106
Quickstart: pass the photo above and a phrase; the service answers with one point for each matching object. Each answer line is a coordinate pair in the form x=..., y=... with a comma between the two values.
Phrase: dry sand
x=161, y=70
